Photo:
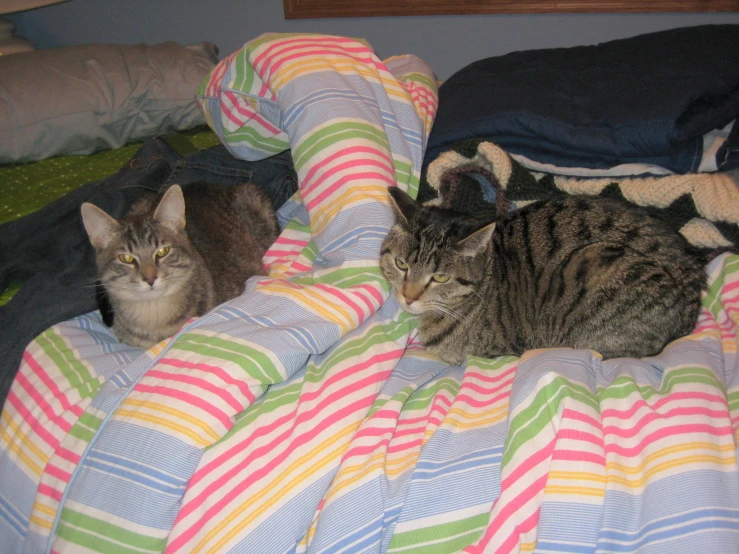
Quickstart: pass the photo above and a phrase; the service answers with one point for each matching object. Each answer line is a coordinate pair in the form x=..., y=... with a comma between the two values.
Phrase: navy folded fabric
x=646, y=99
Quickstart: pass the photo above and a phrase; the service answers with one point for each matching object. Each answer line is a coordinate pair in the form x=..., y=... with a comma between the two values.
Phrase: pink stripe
x=222, y=374
x=293, y=443
x=190, y=399
x=50, y=384
x=354, y=54
x=528, y=464
x=583, y=436
x=395, y=447
x=200, y=383
x=313, y=180
x=348, y=373
x=283, y=45
x=68, y=455
x=481, y=403
x=279, y=253
x=43, y=433
x=344, y=298
x=231, y=116
x=579, y=456
x=673, y=430
x=57, y=472
x=351, y=178
x=46, y=490
x=245, y=109
x=513, y=507
x=494, y=378
x=352, y=152
x=374, y=293
x=729, y=287
x=280, y=54
x=628, y=432
x=639, y=404
x=468, y=385
x=569, y=413
x=41, y=402
x=295, y=242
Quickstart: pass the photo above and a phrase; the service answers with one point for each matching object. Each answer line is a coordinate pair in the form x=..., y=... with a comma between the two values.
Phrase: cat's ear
x=171, y=209
x=403, y=205
x=477, y=242
x=100, y=227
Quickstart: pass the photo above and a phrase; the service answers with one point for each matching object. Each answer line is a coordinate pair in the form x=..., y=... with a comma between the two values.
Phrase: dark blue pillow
x=647, y=99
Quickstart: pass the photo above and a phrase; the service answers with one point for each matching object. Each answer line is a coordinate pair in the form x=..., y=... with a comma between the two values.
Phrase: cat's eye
x=401, y=264
x=163, y=251
x=126, y=258
x=440, y=277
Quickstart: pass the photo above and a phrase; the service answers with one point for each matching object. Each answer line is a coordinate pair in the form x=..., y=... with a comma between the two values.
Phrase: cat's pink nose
x=408, y=301
x=150, y=279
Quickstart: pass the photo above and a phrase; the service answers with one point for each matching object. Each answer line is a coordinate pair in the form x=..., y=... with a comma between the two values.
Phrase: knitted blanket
x=479, y=178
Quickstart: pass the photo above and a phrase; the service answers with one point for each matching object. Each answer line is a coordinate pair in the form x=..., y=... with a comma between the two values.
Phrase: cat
x=177, y=255
x=578, y=272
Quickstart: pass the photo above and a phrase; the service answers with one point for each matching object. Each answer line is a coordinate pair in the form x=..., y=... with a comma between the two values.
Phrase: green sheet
x=30, y=186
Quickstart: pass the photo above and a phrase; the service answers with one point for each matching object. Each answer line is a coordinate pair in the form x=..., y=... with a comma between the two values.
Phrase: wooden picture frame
x=312, y=9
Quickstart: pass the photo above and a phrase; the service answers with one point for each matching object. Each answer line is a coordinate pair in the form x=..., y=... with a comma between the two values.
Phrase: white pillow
x=79, y=99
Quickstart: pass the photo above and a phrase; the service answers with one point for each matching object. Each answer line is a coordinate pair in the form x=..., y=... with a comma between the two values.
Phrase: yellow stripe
x=342, y=480
x=324, y=213
x=164, y=423
x=274, y=497
x=304, y=295
x=528, y=546
x=576, y=476
x=691, y=447
x=301, y=67
x=149, y=405
x=44, y=509
x=638, y=483
x=12, y=445
x=577, y=491
x=46, y=524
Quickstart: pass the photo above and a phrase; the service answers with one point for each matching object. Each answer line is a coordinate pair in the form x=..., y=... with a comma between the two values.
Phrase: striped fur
x=213, y=240
x=576, y=272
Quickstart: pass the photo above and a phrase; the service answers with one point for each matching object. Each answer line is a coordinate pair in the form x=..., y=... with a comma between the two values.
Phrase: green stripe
x=246, y=357
x=334, y=134
x=421, y=78
x=273, y=399
x=250, y=135
x=470, y=530
x=357, y=348
x=86, y=426
x=71, y=368
x=82, y=433
x=530, y=421
x=76, y=528
x=712, y=300
x=348, y=277
x=623, y=386
x=423, y=397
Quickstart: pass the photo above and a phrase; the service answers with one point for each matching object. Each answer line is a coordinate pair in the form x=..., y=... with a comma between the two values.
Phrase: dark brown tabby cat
x=579, y=272
x=175, y=256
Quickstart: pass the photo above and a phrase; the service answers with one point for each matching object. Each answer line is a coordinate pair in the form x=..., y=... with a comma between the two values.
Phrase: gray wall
x=446, y=43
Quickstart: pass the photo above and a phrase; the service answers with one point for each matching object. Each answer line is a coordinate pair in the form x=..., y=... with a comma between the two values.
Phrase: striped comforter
x=304, y=416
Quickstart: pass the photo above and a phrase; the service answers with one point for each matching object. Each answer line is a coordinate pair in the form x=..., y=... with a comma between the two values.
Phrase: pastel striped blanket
x=305, y=416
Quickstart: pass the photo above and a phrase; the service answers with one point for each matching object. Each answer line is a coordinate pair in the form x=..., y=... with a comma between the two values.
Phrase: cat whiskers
x=447, y=311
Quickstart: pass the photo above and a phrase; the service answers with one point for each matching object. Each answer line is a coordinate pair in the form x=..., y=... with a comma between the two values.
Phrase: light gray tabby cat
x=164, y=263
x=579, y=272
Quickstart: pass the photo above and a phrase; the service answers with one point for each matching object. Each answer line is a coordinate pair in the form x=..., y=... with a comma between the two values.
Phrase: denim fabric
x=50, y=253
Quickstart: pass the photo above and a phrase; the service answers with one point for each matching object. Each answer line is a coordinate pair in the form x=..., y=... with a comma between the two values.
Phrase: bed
x=306, y=416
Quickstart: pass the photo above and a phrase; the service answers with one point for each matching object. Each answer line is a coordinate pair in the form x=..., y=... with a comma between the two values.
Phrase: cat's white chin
x=414, y=308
